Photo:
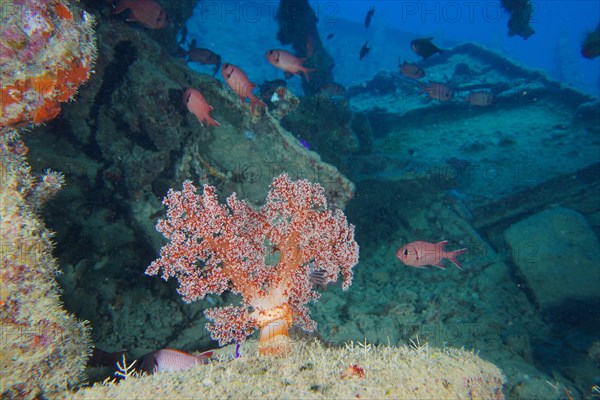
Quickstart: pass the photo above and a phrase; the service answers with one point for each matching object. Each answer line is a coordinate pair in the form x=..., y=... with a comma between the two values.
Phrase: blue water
x=559, y=28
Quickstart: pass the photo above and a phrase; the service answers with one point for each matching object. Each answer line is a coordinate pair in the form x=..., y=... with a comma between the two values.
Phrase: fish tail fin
x=306, y=72
x=452, y=257
x=254, y=101
x=213, y=122
x=204, y=358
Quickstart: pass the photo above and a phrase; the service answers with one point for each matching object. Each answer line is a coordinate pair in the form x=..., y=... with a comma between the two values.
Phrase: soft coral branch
x=215, y=247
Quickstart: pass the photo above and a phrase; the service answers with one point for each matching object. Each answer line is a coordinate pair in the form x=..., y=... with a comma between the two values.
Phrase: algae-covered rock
x=47, y=50
x=43, y=349
x=315, y=372
x=557, y=253
x=132, y=118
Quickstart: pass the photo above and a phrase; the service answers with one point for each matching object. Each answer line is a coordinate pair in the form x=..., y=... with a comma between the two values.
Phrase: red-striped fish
x=197, y=105
x=238, y=81
x=164, y=360
x=420, y=254
x=147, y=12
x=288, y=63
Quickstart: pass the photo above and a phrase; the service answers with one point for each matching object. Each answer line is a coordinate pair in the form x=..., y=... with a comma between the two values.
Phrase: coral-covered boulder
x=47, y=50
x=44, y=349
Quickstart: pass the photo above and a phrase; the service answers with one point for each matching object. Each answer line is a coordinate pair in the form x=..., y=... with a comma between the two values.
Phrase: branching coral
x=217, y=247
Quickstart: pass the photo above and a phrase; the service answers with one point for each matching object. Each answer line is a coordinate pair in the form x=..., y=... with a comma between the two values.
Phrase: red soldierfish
x=419, y=254
x=147, y=12
x=288, y=62
x=172, y=360
x=197, y=105
x=412, y=71
x=238, y=81
x=438, y=91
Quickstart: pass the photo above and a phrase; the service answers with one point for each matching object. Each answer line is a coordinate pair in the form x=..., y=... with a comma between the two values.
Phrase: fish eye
x=405, y=252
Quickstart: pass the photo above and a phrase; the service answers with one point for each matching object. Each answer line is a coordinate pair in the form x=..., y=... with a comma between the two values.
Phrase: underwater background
x=559, y=26
x=475, y=123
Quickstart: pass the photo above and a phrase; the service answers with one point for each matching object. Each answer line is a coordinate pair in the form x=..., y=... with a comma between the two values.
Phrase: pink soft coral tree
x=267, y=256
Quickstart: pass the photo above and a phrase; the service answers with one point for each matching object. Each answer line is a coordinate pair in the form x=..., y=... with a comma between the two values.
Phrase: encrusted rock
x=557, y=253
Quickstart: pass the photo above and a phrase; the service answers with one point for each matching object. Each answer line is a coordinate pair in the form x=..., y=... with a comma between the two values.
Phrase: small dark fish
x=590, y=47
x=101, y=358
x=424, y=47
x=329, y=36
x=369, y=16
x=364, y=50
x=202, y=56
